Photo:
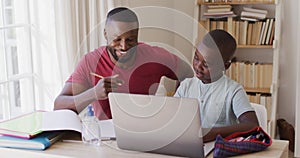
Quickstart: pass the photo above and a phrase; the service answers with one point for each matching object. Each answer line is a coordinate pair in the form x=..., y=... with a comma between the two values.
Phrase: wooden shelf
x=237, y=2
x=255, y=46
x=258, y=90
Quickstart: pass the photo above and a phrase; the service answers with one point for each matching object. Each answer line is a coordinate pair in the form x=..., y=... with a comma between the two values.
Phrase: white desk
x=278, y=149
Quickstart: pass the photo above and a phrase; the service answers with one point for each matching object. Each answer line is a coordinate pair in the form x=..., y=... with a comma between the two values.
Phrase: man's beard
x=129, y=54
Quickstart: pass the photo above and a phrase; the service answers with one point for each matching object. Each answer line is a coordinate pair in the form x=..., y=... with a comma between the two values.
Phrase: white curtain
x=297, y=113
x=62, y=31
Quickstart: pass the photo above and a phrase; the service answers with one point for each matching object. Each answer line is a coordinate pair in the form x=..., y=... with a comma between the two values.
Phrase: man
x=124, y=65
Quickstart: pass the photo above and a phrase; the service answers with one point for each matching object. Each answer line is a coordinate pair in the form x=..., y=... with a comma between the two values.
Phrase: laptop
x=158, y=124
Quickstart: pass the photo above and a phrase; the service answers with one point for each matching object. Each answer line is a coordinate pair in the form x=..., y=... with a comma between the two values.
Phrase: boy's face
x=201, y=67
x=208, y=64
x=122, y=39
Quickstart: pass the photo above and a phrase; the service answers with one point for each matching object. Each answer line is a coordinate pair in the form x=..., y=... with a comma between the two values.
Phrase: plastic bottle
x=91, y=133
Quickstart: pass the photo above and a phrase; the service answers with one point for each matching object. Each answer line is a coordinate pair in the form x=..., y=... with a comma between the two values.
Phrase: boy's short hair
x=223, y=41
x=122, y=14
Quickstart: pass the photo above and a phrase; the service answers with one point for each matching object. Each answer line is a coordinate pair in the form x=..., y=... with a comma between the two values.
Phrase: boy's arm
x=248, y=120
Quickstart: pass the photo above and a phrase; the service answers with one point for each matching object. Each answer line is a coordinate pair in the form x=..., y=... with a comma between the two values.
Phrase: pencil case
x=238, y=143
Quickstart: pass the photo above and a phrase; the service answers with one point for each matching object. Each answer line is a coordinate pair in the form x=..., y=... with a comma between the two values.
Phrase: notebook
x=159, y=124
x=40, y=142
x=31, y=124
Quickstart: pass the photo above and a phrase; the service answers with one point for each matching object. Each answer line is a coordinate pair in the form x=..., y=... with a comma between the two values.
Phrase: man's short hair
x=122, y=14
x=223, y=41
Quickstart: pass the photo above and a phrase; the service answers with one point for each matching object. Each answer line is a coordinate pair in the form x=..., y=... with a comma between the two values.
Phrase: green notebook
x=29, y=125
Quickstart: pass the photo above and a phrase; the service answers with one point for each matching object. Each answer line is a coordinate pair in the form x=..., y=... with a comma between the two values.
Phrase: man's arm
x=248, y=120
x=76, y=97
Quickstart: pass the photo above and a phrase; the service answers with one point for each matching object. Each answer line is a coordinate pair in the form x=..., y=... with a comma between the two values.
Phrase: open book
x=32, y=124
x=40, y=129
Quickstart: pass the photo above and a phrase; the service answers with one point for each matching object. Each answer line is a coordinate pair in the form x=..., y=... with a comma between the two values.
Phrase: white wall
x=185, y=24
x=288, y=65
x=153, y=21
x=288, y=61
x=168, y=23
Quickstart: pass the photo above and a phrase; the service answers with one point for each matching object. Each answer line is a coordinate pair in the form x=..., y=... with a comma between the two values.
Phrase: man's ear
x=227, y=64
x=105, y=34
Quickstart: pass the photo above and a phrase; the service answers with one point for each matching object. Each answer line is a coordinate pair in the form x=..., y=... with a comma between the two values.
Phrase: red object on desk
x=238, y=143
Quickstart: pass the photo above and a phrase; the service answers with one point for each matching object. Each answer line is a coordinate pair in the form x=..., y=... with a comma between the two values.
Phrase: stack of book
x=251, y=14
x=37, y=130
x=263, y=99
x=218, y=11
x=252, y=75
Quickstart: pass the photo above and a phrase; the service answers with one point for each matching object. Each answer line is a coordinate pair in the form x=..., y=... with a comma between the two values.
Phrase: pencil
x=94, y=74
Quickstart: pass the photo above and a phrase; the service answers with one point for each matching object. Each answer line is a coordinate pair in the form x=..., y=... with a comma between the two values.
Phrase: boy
x=224, y=106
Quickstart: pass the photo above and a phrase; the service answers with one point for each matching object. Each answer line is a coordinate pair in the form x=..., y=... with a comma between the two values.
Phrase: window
x=16, y=79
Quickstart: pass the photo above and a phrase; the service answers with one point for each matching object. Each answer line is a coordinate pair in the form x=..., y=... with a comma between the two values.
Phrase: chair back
x=261, y=114
x=167, y=86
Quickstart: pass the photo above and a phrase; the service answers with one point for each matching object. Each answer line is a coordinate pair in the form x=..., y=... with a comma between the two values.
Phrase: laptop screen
x=158, y=124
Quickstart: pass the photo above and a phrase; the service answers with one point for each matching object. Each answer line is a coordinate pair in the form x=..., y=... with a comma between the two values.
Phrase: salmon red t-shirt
x=143, y=77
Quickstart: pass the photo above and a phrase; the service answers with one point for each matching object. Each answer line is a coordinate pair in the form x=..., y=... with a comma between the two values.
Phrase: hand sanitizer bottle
x=90, y=128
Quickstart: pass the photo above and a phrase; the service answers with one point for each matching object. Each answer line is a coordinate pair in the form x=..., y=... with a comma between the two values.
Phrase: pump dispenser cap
x=90, y=111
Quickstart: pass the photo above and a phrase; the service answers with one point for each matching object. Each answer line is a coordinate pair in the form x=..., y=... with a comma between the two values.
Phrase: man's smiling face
x=122, y=39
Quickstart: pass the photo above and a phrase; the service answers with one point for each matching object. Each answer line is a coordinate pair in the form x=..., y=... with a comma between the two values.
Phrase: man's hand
x=107, y=85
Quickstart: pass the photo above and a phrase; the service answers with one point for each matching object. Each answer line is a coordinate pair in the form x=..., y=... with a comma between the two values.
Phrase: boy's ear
x=227, y=64
x=105, y=34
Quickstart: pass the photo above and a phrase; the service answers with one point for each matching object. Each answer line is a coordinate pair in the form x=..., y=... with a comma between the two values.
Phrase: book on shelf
x=30, y=125
x=219, y=6
x=251, y=74
x=268, y=36
x=219, y=14
x=218, y=10
x=40, y=142
x=249, y=19
x=264, y=37
x=216, y=1
x=272, y=33
x=262, y=30
x=269, y=106
x=262, y=11
x=267, y=75
x=259, y=26
x=237, y=28
x=243, y=28
x=213, y=25
x=221, y=25
x=246, y=32
x=253, y=15
x=249, y=33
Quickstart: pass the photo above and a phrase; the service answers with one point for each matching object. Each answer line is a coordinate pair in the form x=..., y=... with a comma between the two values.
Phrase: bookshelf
x=256, y=65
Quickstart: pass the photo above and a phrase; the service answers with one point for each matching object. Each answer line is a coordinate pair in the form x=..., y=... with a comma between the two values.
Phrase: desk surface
x=279, y=148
